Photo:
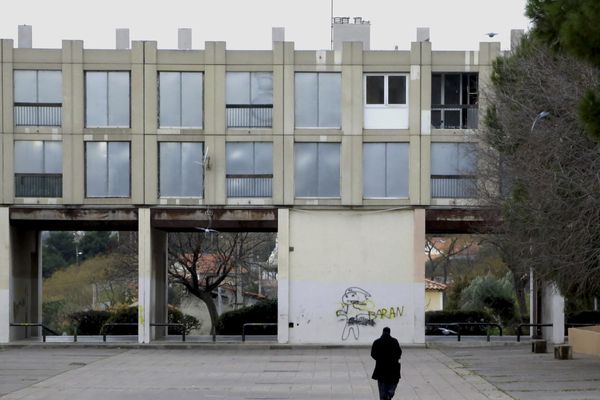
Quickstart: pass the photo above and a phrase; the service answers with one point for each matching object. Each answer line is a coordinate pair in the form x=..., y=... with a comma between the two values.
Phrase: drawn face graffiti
x=355, y=311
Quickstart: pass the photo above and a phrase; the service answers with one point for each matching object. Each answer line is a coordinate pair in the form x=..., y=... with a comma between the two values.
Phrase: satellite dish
x=491, y=34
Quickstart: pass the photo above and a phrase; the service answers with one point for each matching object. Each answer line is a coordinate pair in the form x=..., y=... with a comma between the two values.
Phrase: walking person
x=386, y=352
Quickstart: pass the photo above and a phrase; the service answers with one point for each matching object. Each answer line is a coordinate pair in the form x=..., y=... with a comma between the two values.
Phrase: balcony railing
x=454, y=116
x=249, y=185
x=38, y=114
x=249, y=115
x=453, y=186
x=38, y=185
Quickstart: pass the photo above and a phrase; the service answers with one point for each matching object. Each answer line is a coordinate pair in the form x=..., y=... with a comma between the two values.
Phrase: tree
x=58, y=251
x=201, y=262
x=492, y=295
x=93, y=243
x=543, y=180
x=440, y=252
x=572, y=26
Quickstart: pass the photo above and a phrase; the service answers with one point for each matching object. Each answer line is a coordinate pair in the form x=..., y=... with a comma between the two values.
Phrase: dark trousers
x=386, y=390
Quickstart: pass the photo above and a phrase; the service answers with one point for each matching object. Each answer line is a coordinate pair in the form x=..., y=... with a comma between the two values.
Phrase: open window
x=454, y=100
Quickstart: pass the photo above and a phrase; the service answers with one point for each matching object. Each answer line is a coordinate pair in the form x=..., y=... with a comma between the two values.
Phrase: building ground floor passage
x=342, y=275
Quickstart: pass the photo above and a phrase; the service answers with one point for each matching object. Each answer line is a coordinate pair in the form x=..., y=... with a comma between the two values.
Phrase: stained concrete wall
x=350, y=273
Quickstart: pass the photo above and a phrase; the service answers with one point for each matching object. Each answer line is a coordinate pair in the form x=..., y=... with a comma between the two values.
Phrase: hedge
x=230, y=323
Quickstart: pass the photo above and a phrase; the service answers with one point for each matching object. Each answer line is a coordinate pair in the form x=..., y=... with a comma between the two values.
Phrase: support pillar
x=283, y=275
x=553, y=312
x=5, y=278
x=152, y=286
x=419, y=274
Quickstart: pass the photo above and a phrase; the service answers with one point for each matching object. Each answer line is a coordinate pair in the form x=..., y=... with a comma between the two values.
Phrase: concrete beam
x=178, y=219
x=69, y=218
x=456, y=221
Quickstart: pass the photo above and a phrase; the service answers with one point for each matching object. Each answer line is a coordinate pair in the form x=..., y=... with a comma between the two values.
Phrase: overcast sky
x=246, y=24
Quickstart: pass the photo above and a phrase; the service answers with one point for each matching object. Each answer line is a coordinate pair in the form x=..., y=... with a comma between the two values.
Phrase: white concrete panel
x=352, y=313
x=351, y=274
x=386, y=118
x=4, y=275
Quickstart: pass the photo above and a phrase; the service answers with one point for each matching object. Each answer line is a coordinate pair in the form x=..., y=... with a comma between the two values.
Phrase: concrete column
x=25, y=281
x=5, y=262
x=283, y=275
x=419, y=274
x=152, y=286
x=553, y=312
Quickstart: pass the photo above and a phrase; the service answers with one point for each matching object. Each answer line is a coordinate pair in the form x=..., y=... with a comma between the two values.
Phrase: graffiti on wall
x=358, y=309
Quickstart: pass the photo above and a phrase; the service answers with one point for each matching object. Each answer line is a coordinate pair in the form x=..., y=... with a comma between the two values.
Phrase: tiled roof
x=433, y=285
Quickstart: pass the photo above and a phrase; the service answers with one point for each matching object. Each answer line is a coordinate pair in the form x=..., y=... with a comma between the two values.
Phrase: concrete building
x=350, y=155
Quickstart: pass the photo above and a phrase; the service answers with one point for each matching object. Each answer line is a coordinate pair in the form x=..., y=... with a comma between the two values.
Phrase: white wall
x=337, y=250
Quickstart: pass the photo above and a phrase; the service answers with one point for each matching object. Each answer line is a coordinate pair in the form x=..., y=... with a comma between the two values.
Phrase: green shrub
x=493, y=295
x=88, y=322
x=438, y=317
x=230, y=323
x=177, y=317
x=123, y=314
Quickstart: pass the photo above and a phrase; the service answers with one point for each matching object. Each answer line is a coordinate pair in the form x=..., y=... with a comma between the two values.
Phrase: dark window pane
x=452, y=89
x=473, y=89
x=452, y=119
x=436, y=89
x=375, y=89
x=436, y=119
x=396, y=90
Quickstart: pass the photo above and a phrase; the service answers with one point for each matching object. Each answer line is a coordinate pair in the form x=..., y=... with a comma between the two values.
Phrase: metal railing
x=38, y=185
x=457, y=326
x=180, y=326
x=38, y=114
x=538, y=326
x=472, y=116
x=112, y=324
x=255, y=324
x=249, y=185
x=45, y=329
x=249, y=115
x=453, y=186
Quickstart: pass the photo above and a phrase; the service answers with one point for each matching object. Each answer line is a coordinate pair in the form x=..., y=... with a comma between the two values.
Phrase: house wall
x=434, y=300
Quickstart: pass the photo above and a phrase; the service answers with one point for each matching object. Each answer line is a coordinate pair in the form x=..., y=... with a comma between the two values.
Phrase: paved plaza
x=258, y=371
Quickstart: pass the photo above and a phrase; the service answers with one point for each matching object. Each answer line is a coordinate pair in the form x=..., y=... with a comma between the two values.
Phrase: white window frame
x=385, y=90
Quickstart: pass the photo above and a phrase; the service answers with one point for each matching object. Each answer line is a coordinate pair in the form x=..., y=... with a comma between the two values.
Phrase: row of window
x=249, y=169
x=249, y=99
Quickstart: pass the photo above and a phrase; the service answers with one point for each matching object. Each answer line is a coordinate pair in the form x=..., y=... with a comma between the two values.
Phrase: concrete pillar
x=25, y=281
x=283, y=275
x=152, y=286
x=5, y=262
x=553, y=312
x=419, y=274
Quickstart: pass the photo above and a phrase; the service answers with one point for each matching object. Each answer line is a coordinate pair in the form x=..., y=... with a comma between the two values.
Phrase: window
x=180, y=101
x=38, y=168
x=385, y=90
x=249, y=169
x=454, y=98
x=107, y=166
x=386, y=101
x=452, y=170
x=317, y=100
x=107, y=99
x=181, y=172
x=38, y=98
x=317, y=169
x=249, y=99
x=385, y=170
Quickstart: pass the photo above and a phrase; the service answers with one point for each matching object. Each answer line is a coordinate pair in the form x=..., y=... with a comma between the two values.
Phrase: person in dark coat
x=386, y=352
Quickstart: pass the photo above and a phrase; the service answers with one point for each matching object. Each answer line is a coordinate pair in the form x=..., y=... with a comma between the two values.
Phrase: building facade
x=342, y=152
